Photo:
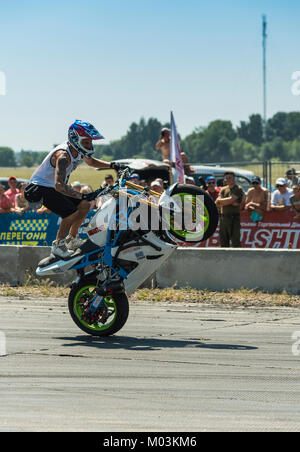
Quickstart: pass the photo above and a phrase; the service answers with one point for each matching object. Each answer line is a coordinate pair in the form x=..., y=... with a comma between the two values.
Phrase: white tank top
x=45, y=174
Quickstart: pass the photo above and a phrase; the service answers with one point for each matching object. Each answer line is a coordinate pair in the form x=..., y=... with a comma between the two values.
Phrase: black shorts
x=62, y=205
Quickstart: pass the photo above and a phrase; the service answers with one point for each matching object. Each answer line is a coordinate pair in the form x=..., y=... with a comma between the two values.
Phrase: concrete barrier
x=227, y=268
x=19, y=262
x=205, y=268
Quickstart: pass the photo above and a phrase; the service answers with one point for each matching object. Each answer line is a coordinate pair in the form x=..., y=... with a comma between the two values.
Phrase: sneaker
x=59, y=249
x=73, y=243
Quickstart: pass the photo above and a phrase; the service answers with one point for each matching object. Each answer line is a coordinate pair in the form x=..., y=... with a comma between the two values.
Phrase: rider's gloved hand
x=117, y=166
x=89, y=196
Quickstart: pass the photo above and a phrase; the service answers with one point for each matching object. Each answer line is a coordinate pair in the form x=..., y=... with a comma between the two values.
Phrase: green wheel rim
x=109, y=301
x=204, y=217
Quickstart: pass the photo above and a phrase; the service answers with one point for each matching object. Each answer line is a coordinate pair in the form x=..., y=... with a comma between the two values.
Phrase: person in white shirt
x=281, y=197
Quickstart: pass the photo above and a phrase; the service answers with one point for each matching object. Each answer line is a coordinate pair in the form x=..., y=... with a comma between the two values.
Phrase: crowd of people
x=12, y=200
x=231, y=200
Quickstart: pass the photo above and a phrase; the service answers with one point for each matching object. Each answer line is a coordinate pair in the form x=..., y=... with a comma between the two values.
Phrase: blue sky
x=112, y=62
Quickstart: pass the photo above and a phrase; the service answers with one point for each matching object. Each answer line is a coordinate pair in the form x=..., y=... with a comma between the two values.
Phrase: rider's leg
x=83, y=209
x=66, y=224
x=72, y=212
x=63, y=247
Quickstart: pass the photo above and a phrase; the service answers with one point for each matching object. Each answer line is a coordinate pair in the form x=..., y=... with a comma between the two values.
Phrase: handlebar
x=122, y=174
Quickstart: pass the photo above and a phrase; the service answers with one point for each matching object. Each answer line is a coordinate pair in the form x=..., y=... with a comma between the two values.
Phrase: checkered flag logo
x=29, y=225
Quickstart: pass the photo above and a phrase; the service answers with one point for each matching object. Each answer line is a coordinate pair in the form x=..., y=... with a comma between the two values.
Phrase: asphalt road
x=173, y=367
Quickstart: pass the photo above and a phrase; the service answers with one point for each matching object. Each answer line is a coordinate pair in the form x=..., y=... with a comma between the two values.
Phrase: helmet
x=80, y=130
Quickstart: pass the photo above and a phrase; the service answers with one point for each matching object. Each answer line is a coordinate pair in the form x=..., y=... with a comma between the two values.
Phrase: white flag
x=176, y=153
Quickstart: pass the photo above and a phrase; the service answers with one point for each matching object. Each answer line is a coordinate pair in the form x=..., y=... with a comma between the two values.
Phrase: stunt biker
x=50, y=183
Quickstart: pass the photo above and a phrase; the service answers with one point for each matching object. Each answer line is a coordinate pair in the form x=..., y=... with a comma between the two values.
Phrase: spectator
x=281, y=197
x=87, y=189
x=5, y=203
x=109, y=180
x=291, y=178
x=295, y=201
x=189, y=180
x=21, y=205
x=257, y=200
x=135, y=178
x=164, y=144
x=202, y=183
x=12, y=191
x=212, y=190
x=230, y=201
x=157, y=186
x=186, y=164
x=76, y=186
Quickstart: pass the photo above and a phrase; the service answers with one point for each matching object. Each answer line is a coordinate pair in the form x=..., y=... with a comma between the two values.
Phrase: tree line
x=219, y=142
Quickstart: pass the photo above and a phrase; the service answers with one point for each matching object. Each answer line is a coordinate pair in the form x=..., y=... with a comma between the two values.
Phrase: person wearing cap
x=135, y=178
x=157, y=186
x=291, y=178
x=13, y=190
x=281, y=196
x=257, y=200
x=76, y=185
x=212, y=190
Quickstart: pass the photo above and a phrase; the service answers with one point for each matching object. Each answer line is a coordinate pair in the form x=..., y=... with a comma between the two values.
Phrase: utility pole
x=264, y=44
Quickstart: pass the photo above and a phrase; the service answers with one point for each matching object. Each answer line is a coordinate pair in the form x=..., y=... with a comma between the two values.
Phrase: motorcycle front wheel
x=112, y=316
x=199, y=218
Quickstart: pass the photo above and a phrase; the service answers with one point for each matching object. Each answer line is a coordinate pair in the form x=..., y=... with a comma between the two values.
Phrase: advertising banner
x=276, y=230
x=31, y=228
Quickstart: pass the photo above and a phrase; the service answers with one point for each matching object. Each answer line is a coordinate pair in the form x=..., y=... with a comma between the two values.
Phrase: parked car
x=243, y=177
x=151, y=169
x=147, y=169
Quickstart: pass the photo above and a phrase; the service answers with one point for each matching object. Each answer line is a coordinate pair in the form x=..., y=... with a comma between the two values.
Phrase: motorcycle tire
x=117, y=305
x=210, y=214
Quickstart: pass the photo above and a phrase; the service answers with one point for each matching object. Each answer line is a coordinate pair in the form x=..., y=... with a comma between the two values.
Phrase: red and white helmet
x=79, y=131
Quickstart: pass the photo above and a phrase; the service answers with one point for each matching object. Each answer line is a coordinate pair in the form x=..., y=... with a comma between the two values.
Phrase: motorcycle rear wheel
x=116, y=305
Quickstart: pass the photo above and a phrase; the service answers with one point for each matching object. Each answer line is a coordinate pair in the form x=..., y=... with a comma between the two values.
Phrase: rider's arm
x=96, y=163
x=61, y=165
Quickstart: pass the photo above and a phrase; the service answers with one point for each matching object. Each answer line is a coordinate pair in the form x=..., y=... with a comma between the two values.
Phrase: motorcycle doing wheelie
x=129, y=237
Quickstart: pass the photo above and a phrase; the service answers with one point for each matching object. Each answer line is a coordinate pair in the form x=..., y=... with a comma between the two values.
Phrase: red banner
x=276, y=230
